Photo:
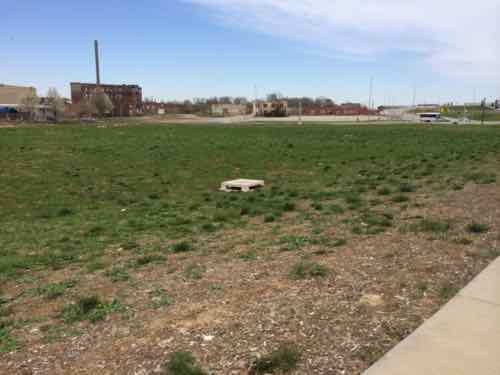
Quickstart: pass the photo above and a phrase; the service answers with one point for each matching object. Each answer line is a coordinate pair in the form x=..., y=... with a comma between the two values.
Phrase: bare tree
x=86, y=108
x=55, y=102
x=29, y=103
x=102, y=103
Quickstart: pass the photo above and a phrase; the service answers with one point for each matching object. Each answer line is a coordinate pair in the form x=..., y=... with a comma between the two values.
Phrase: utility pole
x=300, y=112
x=483, y=107
x=370, y=99
x=414, y=96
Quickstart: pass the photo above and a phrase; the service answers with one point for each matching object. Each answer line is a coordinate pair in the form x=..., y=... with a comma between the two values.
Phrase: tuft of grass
x=117, y=274
x=481, y=178
x=400, y=198
x=421, y=287
x=427, y=225
x=317, y=206
x=7, y=342
x=130, y=245
x=447, y=291
x=209, y=227
x=269, y=218
x=146, y=259
x=89, y=308
x=477, y=228
x=282, y=360
x=54, y=290
x=464, y=241
x=336, y=209
x=65, y=212
x=340, y=242
x=384, y=191
x=182, y=363
x=407, y=188
x=304, y=270
x=194, y=271
x=182, y=247
x=294, y=242
x=159, y=298
x=249, y=256
x=289, y=206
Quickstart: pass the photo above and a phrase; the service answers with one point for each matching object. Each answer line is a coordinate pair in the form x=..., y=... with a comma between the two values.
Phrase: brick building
x=126, y=99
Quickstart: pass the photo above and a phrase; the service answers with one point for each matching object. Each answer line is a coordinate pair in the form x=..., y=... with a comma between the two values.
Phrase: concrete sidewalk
x=463, y=338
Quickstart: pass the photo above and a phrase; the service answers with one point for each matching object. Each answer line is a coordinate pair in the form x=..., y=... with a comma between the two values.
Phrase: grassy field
x=72, y=195
x=67, y=193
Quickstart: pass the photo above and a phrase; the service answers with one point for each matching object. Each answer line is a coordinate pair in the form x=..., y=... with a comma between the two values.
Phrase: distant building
x=11, y=104
x=277, y=108
x=332, y=109
x=13, y=95
x=126, y=99
x=228, y=109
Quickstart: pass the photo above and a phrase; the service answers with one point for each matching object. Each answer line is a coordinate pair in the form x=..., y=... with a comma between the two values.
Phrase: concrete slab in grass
x=241, y=184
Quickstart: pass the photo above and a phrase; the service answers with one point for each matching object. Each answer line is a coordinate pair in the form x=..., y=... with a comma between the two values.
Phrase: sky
x=442, y=50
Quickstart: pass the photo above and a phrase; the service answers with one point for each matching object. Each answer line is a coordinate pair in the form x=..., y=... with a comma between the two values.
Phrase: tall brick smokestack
x=97, y=71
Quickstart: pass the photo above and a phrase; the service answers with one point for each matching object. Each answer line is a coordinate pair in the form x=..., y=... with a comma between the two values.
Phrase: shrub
x=283, y=360
x=182, y=363
x=289, y=206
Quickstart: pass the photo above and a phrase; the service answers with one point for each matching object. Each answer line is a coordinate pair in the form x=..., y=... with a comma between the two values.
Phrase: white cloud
x=457, y=38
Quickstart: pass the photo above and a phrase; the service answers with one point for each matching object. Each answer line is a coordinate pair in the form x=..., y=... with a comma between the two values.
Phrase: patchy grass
x=147, y=259
x=248, y=256
x=429, y=225
x=104, y=188
x=89, y=308
x=282, y=360
x=159, y=298
x=182, y=363
x=305, y=269
x=7, y=342
x=194, y=271
x=294, y=242
x=117, y=274
x=54, y=290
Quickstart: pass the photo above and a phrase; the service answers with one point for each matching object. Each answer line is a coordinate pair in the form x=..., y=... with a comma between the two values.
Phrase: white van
x=430, y=117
